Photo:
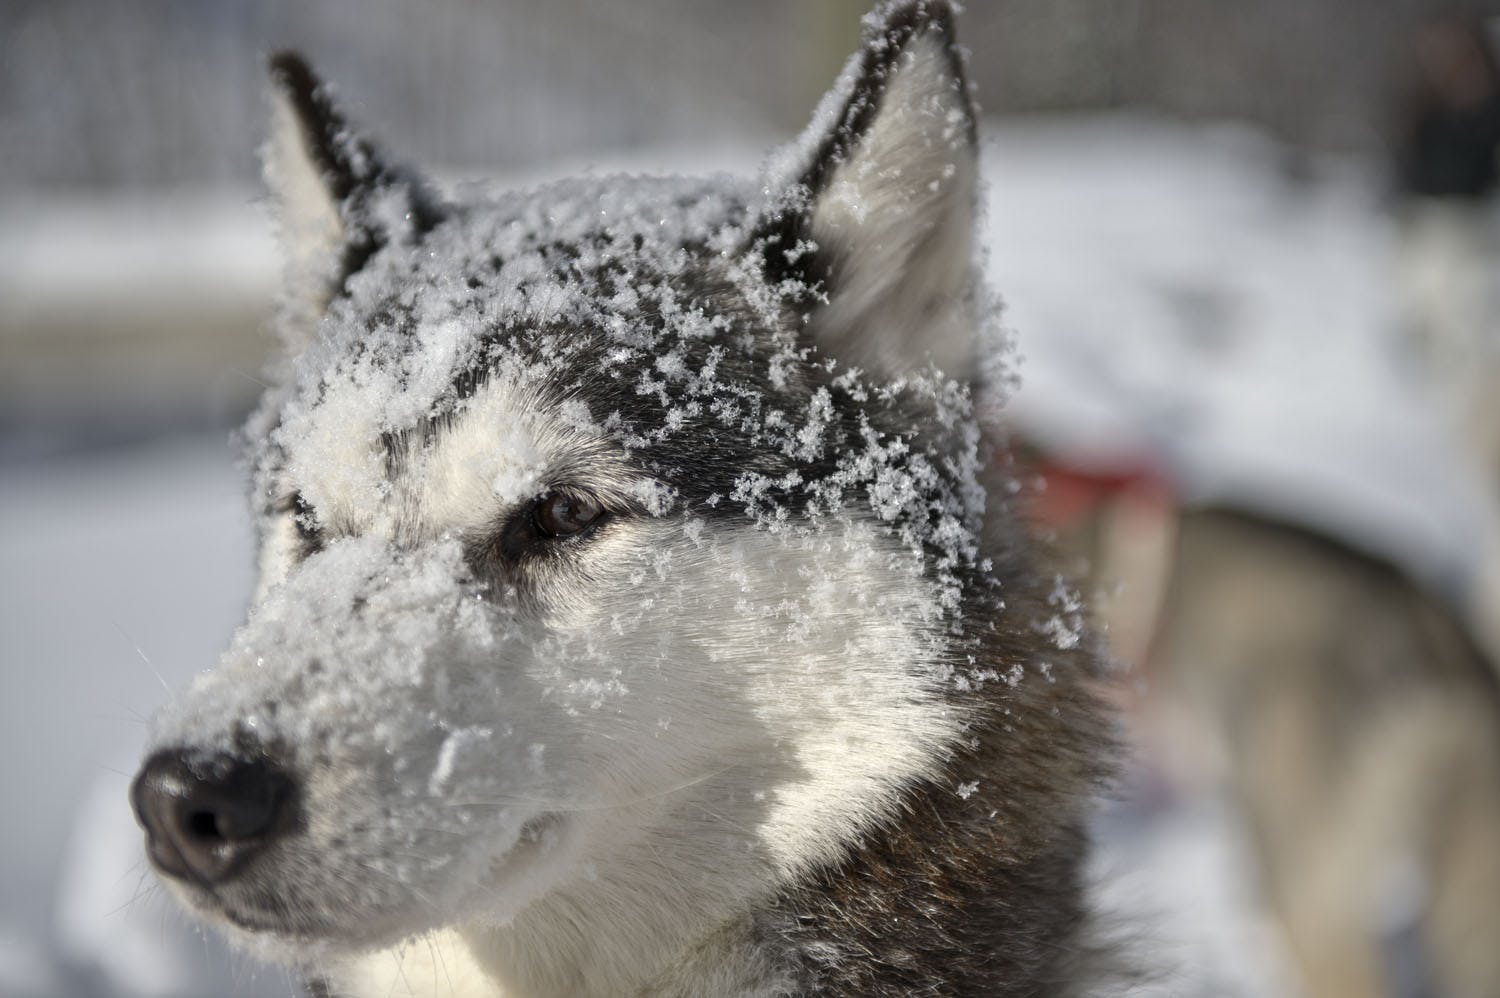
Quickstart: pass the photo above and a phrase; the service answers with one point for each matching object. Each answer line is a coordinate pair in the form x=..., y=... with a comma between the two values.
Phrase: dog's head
x=618, y=518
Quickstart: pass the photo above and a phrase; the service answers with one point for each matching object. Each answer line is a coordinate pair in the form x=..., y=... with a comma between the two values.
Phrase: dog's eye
x=563, y=515
x=548, y=523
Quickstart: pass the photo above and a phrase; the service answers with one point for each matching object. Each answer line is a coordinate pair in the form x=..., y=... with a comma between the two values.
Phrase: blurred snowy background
x=1228, y=281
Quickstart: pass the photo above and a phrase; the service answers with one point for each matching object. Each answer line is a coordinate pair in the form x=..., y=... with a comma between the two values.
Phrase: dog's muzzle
x=207, y=816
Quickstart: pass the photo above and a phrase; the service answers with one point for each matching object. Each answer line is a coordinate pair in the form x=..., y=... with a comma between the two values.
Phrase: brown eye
x=562, y=515
x=548, y=523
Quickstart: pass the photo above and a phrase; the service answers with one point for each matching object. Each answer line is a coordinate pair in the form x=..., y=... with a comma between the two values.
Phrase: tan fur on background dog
x=1361, y=728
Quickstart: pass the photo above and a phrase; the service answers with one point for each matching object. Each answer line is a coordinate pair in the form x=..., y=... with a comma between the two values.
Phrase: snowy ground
x=1172, y=293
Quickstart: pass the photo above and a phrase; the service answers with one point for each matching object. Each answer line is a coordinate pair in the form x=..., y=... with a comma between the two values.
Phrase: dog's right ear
x=337, y=198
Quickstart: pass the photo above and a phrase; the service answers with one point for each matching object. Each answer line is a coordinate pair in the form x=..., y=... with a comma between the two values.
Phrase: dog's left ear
x=880, y=213
x=338, y=199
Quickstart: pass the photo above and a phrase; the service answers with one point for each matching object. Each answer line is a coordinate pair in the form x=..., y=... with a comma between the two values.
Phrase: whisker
x=137, y=867
x=400, y=974
x=142, y=654
x=140, y=894
x=247, y=376
x=509, y=800
x=130, y=710
x=439, y=961
x=392, y=878
x=116, y=717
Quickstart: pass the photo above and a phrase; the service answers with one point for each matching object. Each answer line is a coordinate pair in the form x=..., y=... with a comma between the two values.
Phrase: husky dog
x=1361, y=731
x=633, y=618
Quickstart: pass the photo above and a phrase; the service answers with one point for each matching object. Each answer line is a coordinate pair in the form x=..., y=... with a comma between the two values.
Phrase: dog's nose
x=206, y=815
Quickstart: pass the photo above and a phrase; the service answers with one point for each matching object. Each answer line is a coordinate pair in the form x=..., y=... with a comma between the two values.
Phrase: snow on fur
x=759, y=643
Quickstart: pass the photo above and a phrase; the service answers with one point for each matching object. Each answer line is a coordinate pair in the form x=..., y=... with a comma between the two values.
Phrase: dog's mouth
x=273, y=901
x=239, y=836
x=541, y=839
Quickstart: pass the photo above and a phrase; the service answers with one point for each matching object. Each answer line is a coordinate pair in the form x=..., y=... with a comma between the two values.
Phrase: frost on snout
x=356, y=634
x=375, y=679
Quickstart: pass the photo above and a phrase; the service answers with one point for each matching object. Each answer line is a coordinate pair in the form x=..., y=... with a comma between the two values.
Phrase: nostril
x=207, y=814
x=204, y=825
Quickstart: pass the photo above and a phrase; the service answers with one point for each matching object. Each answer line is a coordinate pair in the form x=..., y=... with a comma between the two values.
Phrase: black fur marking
x=881, y=54
x=880, y=57
x=345, y=161
x=310, y=537
x=351, y=167
x=306, y=520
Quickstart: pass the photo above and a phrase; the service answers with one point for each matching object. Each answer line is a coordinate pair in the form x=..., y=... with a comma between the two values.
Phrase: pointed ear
x=881, y=214
x=337, y=198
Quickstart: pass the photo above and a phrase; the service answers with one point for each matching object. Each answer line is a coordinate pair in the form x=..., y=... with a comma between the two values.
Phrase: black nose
x=207, y=815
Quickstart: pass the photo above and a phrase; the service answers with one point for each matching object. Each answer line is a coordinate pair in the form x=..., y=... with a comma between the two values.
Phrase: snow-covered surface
x=1172, y=294
x=1179, y=299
